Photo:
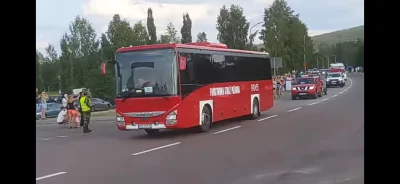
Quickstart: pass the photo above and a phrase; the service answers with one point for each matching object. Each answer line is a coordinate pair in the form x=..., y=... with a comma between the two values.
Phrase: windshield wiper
x=164, y=96
x=127, y=94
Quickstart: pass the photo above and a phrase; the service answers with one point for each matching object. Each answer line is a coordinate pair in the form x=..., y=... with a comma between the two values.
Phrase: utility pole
x=72, y=70
x=304, y=52
x=334, y=56
x=317, y=63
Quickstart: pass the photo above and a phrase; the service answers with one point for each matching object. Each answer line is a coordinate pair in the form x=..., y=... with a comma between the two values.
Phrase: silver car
x=97, y=104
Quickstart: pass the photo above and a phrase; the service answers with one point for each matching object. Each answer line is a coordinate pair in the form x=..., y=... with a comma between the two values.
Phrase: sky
x=54, y=16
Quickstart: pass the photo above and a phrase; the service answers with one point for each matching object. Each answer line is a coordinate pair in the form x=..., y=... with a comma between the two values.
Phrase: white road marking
x=341, y=92
x=227, y=130
x=45, y=139
x=269, y=117
x=295, y=109
x=324, y=99
x=307, y=170
x=263, y=176
x=62, y=136
x=312, y=103
x=50, y=175
x=154, y=149
x=334, y=96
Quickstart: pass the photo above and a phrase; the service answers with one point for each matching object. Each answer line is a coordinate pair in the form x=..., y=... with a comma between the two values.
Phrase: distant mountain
x=340, y=36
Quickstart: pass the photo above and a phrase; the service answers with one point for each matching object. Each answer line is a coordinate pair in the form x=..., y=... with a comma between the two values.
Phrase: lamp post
x=251, y=40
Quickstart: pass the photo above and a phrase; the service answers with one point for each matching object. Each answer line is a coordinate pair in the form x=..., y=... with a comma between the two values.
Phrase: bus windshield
x=147, y=73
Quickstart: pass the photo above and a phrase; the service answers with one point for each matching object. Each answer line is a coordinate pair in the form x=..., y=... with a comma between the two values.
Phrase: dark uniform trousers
x=86, y=118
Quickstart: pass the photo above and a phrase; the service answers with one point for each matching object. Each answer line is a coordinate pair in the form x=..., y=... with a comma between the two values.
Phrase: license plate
x=302, y=93
x=147, y=126
x=333, y=82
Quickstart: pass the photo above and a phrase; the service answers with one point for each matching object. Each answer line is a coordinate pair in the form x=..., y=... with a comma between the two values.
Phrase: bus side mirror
x=103, y=69
x=182, y=63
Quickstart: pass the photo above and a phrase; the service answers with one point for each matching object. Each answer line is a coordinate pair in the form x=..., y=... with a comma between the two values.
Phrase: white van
x=77, y=91
x=340, y=66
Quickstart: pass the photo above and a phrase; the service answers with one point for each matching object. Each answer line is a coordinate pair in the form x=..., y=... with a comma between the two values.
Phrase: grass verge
x=104, y=113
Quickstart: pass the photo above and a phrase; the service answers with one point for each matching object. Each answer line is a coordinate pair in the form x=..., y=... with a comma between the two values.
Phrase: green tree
x=151, y=27
x=79, y=52
x=140, y=34
x=232, y=27
x=120, y=33
x=170, y=35
x=202, y=37
x=186, y=30
x=285, y=35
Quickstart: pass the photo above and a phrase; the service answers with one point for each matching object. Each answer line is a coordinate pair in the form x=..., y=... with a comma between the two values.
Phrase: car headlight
x=294, y=89
x=311, y=87
x=171, y=118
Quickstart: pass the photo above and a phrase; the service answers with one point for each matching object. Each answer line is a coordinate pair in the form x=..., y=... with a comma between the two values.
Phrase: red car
x=307, y=87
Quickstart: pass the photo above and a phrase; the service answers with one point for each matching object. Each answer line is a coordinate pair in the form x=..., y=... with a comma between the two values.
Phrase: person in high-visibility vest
x=86, y=107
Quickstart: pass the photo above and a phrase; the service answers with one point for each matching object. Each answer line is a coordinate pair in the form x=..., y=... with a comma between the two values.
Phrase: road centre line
x=225, y=130
x=154, y=149
x=295, y=109
x=334, y=96
x=50, y=175
x=312, y=103
x=269, y=117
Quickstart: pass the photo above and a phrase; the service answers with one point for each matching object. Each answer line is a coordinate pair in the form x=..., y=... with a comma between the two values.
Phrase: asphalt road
x=303, y=141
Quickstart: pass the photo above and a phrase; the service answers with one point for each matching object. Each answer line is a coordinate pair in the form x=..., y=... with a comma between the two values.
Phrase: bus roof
x=201, y=45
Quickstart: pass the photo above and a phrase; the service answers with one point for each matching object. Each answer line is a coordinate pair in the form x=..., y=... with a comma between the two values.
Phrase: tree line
x=283, y=35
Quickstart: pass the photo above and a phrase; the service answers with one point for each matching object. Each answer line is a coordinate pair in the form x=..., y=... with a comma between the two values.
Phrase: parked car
x=98, y=104
x=53, y=109
x=54, y=99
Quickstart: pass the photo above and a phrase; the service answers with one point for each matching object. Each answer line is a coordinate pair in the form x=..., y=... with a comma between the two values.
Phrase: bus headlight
x=171, y=118
x=120, y=120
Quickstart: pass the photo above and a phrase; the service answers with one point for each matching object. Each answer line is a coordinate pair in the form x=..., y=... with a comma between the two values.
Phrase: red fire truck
x=174, y=86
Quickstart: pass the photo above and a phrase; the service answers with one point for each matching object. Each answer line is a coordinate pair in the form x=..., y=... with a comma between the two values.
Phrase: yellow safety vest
x=84, y=107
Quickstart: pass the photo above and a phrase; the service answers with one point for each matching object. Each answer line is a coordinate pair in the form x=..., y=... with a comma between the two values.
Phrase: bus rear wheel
x=206, y=119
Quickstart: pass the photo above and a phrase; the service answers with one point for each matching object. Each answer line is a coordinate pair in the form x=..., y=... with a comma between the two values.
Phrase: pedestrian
x=72, y=112
x=86, y=106
x=37, y=99
x=43, y=103
x=80, y=109
x=64, y=101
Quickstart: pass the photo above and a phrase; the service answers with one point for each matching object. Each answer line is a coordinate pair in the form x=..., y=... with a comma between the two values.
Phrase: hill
x=340, y=36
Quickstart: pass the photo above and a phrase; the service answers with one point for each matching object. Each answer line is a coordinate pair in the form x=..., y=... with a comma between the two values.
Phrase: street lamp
x=327, y=61
x=59, y=84
x=251, y=40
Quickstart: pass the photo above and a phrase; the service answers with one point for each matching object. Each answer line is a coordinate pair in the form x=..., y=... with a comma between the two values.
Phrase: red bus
x=175, y=86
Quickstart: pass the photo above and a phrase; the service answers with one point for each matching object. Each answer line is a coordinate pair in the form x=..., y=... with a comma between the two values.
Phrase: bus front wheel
x=206, y=119
x=256, y=109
